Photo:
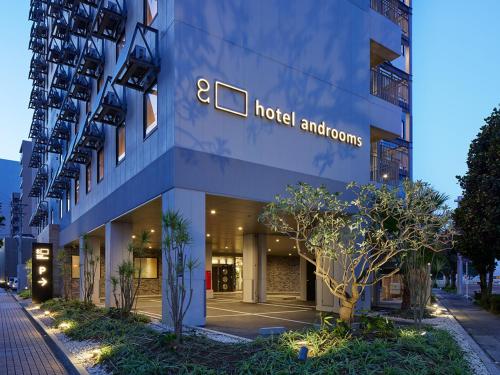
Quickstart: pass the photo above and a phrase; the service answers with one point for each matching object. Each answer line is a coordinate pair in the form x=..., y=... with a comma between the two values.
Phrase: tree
x=179, y=267
x=362, y=234
x=129, y=277
x=64, y=262
x=90, y=264
x=477, y=216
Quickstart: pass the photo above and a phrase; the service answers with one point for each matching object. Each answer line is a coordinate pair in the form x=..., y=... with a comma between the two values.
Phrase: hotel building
x=210, y=108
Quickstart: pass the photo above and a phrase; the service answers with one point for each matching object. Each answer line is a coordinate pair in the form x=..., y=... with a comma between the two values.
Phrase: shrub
x=25, y=294
x=495, y=303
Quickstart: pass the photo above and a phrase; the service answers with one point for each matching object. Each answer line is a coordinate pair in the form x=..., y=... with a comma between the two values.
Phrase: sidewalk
x=23, y=351
x=484, y=327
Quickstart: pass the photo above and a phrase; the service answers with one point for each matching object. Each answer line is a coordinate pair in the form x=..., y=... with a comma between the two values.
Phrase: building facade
x=210, y=108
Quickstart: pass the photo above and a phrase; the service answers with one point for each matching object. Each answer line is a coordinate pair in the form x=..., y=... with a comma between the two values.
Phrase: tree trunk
x=405, y=296
x=346, y=311
x=483, y=284
x=490, y=283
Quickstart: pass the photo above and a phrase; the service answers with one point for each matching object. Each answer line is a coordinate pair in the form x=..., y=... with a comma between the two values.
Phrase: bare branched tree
x=361, y=234
x=90, y=264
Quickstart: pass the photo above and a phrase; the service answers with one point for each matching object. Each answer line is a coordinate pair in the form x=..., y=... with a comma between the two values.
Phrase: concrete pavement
x=23, y=350
x=483, y=326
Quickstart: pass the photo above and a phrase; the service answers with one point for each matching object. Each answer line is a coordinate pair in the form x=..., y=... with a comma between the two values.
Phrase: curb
x=67, y=359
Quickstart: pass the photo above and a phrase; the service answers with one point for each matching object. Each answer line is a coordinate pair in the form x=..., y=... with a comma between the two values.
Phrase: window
x=60, y=208
x=120, y=143
x=68, y=200
x=88, y=178
x=150, y=11
x=120, y=44
x=148, y=267
x=150, y=110
x=100, y=165
x=75, y=266
x=77, y=191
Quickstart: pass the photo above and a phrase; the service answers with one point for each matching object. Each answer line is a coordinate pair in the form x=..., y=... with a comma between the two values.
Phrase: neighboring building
x=9, y=172
x=211, y=108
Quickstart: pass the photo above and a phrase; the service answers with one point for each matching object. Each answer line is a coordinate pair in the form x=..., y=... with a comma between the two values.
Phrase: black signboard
x=42, y=272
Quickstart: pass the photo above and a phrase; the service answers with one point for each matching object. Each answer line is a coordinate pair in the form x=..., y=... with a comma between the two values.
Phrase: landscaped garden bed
x=133, y=346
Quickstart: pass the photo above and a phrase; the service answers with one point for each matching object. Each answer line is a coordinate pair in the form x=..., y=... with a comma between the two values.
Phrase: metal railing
x=389, y=87
x=394, y=10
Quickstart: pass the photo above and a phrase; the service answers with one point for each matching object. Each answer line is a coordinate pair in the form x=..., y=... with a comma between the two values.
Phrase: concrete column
x=118, y=237
x=191, y=205
x=460, y=275
x=262, y=268
x=93, y=243
x=303, y=279
x=208, y=267
x=250, y=268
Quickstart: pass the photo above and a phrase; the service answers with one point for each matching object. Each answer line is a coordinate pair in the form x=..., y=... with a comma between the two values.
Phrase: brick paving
x=23, y=351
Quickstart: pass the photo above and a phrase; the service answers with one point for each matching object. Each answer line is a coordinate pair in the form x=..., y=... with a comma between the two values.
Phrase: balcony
x=110, y=109
x=390, y=161
x=81, y=88
x=38, y=98
x=59, y=186
x=40, y=215
x=91, y=63
x=36, y=160
x=394, y=10
x=40, y=181
x=69, y=170
x=37, y=11
x=110, y=20
x=139, y=62
x=55, y=9
x=81, y=20
x=39, y=30
x=62, y=52
x=61, y=130
x=55, y=98
x=39, y=79
x=61, y=78
x=390, y=84
x=69, y=111
x=60, y=29
x=91, y=136
x=37, y=45
x=55, y=146
x=38, y=65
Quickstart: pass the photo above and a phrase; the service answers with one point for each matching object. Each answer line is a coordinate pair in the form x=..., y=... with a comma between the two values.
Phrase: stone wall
x=283, y=274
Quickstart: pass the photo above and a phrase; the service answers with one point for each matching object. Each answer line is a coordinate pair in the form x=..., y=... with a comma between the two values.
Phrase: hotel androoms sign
x=234, y=100
x=41, y=283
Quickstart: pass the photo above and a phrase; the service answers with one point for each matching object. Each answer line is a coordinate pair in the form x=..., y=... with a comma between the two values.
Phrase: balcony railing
x=395, y=10
x=390, y=87
x=389, y=161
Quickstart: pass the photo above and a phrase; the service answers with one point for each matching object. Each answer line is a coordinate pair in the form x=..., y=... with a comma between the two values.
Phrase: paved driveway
x=232, y=316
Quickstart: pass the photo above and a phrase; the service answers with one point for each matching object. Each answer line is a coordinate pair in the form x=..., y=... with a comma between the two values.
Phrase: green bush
x=129, y=346
x=25, y=294
x=495, y=303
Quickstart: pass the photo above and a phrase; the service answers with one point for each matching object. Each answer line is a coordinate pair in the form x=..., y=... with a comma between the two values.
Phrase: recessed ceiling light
x=290, y=254
x=225, y=247
x=240, y=228
x=208, y=234
x=269, y=250
x=133, y=236
x=152, y=230
x=213, y=212
x=150, y=246
x=385, y=175
x=277, y=240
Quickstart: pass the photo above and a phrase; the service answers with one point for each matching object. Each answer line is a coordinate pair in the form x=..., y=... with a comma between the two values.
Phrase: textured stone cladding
x=283, y=274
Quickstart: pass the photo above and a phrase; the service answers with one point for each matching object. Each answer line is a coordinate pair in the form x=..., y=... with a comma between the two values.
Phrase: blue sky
x=456, y=74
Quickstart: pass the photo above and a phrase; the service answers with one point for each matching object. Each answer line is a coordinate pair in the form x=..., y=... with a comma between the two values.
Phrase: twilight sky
x=456, y=74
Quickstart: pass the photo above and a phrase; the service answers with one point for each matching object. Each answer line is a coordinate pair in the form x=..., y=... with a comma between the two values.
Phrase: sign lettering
x=42, y=272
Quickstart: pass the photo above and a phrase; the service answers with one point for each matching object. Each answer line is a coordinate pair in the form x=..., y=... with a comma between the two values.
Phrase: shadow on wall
x=305, y=88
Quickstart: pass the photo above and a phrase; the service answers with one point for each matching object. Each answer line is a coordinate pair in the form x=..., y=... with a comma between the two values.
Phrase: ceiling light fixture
x=152, y=230
x=277, y=240
x=213, y=212
x=208, y=234
x=240, y=228
x=133, y=236
x=269, y=250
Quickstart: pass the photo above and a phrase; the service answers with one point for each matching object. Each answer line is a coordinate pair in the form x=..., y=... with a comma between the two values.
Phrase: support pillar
x=118, y=237
x=303, y=279
x=250, y=268
x=208, y=269
x=191, y=205
x=262, y=268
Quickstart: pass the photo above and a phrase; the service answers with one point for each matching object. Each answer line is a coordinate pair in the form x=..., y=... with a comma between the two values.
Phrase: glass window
x=148, y=267
x=150, y=110
x=120, y=143
x=60, y=208
x=88, y=178
x=68, y=200
x=150, y=11
x=75, y=266
x=100, y=165
x=77, y=191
